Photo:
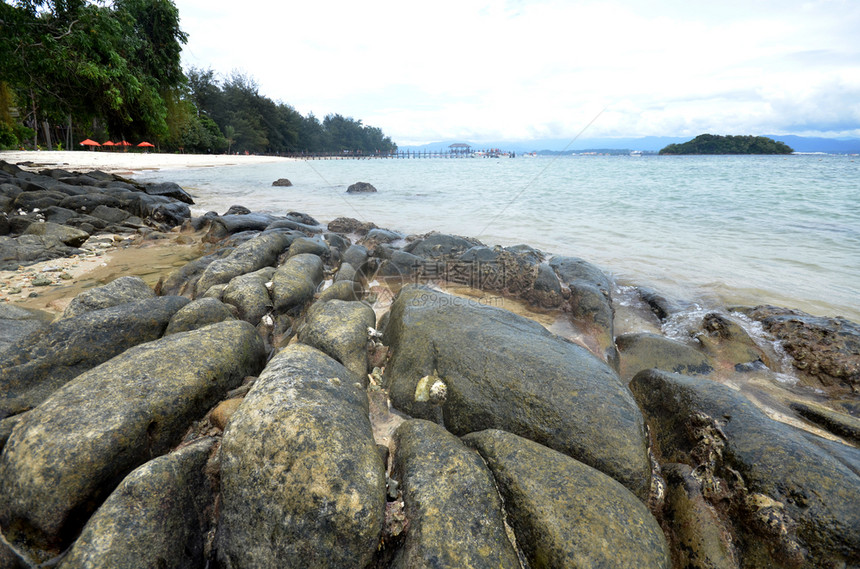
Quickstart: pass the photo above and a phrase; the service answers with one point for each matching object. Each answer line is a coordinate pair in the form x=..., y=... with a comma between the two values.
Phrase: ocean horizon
x=711, y=230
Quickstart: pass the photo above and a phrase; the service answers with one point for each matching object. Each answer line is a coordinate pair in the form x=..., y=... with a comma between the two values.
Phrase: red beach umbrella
x=108, y=143
x=89, y=142
x=122, y=143
x=146, y=144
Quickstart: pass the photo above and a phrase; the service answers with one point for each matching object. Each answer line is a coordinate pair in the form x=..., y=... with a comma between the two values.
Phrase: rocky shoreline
x=348, y=396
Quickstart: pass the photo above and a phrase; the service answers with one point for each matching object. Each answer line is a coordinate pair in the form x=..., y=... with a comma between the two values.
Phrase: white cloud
x=494, y=69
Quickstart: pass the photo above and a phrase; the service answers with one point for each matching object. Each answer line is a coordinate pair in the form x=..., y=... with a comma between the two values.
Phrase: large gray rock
x=504, y=371
x=197, y=314
x=17, y=323
x=40, y=364
x=792, y=496
x=29, y=249
x=119, y=291
x=157, y=516
x=295, y=282
x=454, y=510
x=339, y=328
x=65, y=234
x=566, y=514
x=440, y=245
x=248, y=293
x=590, y=304
x=183, y=281
x=301, y=479
x=253, y=255
x=66, y=456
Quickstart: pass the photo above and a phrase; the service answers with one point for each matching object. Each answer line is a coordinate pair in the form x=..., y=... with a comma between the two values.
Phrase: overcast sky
x=434, y=70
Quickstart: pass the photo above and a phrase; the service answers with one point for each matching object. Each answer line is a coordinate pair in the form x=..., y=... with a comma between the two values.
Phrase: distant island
x=716, y=144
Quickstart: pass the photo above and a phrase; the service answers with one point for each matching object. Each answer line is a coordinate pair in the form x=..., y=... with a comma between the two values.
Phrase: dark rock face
x=350, y=225
x=18, y=323
x=824, y=349
x=29, y=249
x=197, y=314
x=504, y=371
x=439, y=245
x=156, y=517
x=301, y=477
x=282, y=183
x=361, y=188
x=39, y=365
x=169, y=189
x=791, y=496
x=451, y=502
x=68, y=454
x=566, y=514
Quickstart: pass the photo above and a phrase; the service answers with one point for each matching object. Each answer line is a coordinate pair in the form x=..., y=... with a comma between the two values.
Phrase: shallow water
x=715, y=230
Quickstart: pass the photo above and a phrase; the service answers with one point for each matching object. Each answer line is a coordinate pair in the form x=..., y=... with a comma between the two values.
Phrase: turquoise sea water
x=716, y=230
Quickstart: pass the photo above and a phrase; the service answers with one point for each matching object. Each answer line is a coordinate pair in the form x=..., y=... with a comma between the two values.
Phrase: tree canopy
x=716, y=144
x=112, y=69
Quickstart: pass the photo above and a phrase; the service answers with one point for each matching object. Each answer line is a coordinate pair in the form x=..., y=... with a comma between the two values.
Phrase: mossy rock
x=248, y=293
x=301, y=478
x=567, y=514
x=252, y=255
x=197, y=314
x=157, y=516
x=339, y=328
x=455, y=514
x=119, y=291
x=643, y=350
x=505, y=371
x=295, y=282
x=65, y=456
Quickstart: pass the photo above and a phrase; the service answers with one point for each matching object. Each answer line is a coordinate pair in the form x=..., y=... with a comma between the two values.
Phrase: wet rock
x=350, y=225
x=282, y=183
x=119, y=291
x=346, y=272
x=826, y=350
x=439, y=245
x=302, y=218
x=504, y=371
x=261, y=251
x=170, y=190
x=197, y=314
x=566, y=514
x=86, y=203
x=38, y=366
x=726, y=340
x=248, y=293
x=356, y=256
x=110, y=214
x=643, y=350
x=341, y=290
x=290, y=224
x=837, y=423
x=170, y=214
x=70, y=452
x=157, y=516
x=30, y=200
x=183, y=280
x=454, y=511
x=222, y=226
x=700, y=539
x=304, y=245
x=590, y=304
x=383, y=235
x=662, y=306
x=790, y=495
x=295, y=282
x=339, y=328
x=300, y=467
x=361, y=188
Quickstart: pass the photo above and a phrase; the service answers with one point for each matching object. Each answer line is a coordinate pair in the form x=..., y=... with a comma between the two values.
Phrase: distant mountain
x=645, y=143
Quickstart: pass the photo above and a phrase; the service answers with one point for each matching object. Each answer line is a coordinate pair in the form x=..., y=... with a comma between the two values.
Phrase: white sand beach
x=129, y=162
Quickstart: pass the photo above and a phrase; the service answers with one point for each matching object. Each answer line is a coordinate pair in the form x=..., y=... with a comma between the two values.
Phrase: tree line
x=716, y=144
x=74, y=69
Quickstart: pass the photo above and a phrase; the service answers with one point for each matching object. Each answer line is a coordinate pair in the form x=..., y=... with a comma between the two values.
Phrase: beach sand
x=128, y=162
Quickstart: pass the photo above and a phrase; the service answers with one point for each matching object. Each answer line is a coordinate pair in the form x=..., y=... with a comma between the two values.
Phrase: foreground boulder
x=301, y=478
x=68, y=454
x=792, y=497
x=477, y=367
x=157, y=517
x=566, y=514
x=451, y=501
x=40, y=364
x=295, y=282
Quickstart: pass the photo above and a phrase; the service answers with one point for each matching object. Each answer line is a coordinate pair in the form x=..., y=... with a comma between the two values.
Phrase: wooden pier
x=451, y=153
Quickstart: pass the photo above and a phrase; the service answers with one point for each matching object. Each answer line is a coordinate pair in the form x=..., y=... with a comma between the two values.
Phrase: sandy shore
x=129, y=162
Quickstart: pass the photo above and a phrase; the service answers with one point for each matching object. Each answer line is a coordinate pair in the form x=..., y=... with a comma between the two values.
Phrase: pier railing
x=401, y=155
